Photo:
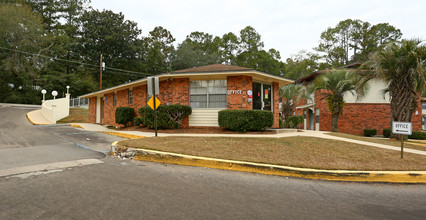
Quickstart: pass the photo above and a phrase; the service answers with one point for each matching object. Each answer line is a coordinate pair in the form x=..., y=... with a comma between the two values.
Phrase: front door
x=262, y=96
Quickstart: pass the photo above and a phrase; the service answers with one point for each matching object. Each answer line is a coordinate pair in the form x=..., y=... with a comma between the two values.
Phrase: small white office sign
x=404, y=128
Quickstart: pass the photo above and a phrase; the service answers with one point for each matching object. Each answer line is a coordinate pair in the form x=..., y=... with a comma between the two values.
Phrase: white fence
x=79, y=103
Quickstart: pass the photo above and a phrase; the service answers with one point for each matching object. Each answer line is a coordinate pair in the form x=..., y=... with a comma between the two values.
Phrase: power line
x=79, y=63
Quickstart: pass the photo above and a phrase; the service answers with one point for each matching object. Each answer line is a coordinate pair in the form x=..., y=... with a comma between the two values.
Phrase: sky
x=287, y=26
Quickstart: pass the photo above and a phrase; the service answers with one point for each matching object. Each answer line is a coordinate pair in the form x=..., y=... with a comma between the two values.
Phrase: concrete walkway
x=305, y=133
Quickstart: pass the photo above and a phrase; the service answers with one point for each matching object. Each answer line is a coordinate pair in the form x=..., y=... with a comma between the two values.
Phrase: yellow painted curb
x=269, y=169
x=123, y=135
x=76, y=126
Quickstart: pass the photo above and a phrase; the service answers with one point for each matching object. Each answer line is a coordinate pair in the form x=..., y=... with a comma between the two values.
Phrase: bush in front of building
x=124, y=115
x=370, y=132
x=168, y=116
x=293, y=121
x=245, y=120
x=138, y=121
x=386, y=132
x=419, y=135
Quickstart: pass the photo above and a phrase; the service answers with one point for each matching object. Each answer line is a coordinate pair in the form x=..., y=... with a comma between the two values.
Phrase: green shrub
x=138, y=122
x=419, y=135
x=281, y=124
x=386, y=132
x=168, y=116
x=124, y=115
x=293, y=121
x=245, y=120
x=370, y=132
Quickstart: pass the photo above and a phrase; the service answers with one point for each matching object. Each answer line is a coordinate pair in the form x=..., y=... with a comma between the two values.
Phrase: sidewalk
x=306, y=133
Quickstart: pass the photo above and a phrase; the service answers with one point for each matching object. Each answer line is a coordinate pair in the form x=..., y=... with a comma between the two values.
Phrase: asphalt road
x=124, y=189
x=143, y=190
x=23, y=144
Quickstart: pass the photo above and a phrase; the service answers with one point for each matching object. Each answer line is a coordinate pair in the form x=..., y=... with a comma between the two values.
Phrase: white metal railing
x=79, y=103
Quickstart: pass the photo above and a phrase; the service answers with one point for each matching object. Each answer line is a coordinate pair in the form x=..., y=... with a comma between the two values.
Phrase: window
x=115, y=99
x=130, y=96
x=424, y=105
x=207, y=94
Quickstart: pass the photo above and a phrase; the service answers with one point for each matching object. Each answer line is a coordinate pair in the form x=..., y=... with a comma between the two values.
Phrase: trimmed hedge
x=138, y=122
x=419, y=135
x=370, y=132
x=168, y=116
x=386, y=132
x=124, y=115
x=293, y=121
x=245, y=120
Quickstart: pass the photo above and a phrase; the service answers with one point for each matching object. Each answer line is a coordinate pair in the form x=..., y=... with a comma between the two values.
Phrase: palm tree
x=291, y=95
x=333, y=85
x=403, y=66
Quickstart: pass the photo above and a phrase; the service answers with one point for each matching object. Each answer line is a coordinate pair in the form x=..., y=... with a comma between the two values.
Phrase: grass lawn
x=305, y=152
x=77, y=115
x=380, y=141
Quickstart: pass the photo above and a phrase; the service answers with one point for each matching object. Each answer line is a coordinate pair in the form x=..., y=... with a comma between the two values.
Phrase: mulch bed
x=194, y=130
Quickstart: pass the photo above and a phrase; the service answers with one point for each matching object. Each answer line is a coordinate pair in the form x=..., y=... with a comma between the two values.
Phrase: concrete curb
x=32, y=121
x=123, y=135
x=270, y=169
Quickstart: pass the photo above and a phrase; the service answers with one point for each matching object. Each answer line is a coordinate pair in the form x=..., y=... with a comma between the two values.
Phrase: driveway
x=23, y=144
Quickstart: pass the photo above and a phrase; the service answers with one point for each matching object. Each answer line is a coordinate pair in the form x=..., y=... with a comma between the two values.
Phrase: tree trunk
x=334, y=122
x=402, y=99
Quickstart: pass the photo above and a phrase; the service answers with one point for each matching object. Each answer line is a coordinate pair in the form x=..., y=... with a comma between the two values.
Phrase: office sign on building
x=404, y=128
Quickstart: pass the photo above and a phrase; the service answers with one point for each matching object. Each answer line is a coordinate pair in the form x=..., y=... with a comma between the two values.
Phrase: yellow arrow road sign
x=151, y=102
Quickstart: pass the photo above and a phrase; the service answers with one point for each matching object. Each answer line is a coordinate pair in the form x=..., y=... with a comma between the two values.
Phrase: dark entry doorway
x=262, y=96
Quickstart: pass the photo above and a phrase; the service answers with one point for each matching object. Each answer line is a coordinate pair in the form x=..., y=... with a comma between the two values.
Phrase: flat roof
x=204, y=72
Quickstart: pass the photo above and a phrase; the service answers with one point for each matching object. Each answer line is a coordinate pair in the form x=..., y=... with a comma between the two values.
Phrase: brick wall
x=276, y=103
x=357, y=116
x=174, y=91
x=239, y=101
x=92, y=110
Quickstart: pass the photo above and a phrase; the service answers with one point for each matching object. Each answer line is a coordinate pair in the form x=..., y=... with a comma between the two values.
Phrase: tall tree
x=229, y=45
x=403, y=66
x=301, y=64
x=333, y=85
x=186, y=56
x=22, y=39
x=160, y=47
x=117, y=39
x=352, y=41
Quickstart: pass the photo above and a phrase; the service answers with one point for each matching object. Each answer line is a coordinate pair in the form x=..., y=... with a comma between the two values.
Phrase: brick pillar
x=276, y=110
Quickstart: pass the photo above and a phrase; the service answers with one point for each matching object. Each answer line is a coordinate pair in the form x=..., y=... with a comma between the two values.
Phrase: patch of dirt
x=193, y=130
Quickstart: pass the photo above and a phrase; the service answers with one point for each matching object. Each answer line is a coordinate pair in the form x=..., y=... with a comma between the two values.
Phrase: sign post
x=153, y=89
x=402, y=128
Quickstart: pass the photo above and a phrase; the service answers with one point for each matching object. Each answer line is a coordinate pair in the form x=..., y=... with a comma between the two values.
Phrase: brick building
x=371, y=111
x=207, y=89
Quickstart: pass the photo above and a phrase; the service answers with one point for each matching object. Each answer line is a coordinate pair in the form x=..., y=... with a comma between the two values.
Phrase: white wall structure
x=56, y=109
x=374, y=93
x=204, y=117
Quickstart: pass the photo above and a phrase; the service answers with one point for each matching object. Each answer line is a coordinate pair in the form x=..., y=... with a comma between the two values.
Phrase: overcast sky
x=287, y=26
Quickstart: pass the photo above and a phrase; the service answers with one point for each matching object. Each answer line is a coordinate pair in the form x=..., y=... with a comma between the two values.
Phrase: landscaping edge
x=417, y=177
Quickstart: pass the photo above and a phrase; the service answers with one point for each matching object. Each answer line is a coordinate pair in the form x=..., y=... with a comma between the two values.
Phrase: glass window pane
x=217, y=101
x=198, y=101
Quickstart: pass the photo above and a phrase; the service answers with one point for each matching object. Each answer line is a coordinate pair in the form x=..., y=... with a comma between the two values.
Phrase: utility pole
x=100, y=76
